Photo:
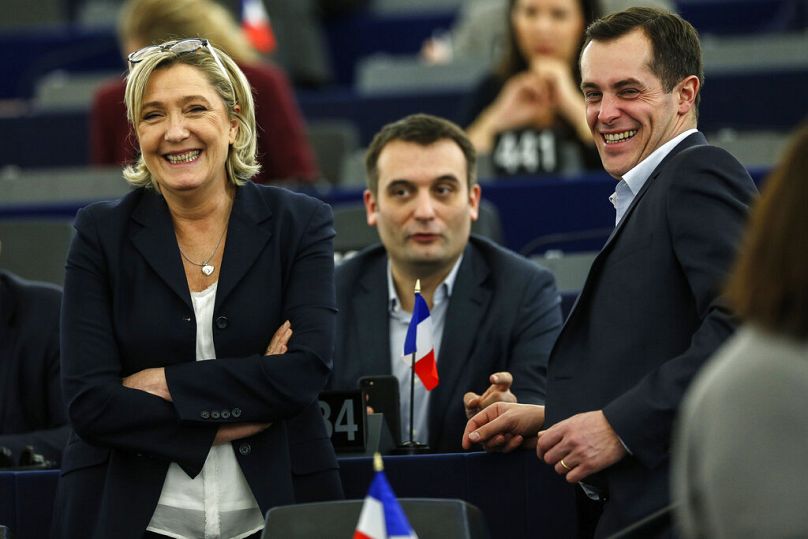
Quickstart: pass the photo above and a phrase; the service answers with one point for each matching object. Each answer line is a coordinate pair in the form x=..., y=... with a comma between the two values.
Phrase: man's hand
x=151, y=381
x=498, y=391
x=504, y=426
x=580, y=446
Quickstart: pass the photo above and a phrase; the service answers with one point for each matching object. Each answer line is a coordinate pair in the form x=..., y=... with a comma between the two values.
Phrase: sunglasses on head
x=179, y=47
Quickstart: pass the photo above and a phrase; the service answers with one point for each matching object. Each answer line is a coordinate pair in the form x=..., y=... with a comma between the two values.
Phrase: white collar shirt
x=633, y=180
x=218, y=502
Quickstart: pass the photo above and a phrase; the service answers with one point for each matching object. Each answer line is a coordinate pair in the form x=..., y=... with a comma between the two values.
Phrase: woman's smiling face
x=184, y=129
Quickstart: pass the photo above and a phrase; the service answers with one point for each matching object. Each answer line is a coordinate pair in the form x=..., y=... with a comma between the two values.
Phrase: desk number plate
x=344, y=419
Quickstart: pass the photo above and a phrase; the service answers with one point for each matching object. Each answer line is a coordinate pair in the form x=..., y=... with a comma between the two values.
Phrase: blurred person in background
x=480, y=30
x=302, y=42
x=32, y=413
x=478, y=33
x=191, y=417
x=739, y=466
x=529, y=114
x=283, y=148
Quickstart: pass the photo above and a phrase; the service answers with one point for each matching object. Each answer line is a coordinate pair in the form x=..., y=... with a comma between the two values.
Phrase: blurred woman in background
x=283, y=148
x=529, y=115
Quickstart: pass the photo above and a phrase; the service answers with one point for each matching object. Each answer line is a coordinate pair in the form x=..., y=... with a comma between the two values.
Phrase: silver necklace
x=207, y=267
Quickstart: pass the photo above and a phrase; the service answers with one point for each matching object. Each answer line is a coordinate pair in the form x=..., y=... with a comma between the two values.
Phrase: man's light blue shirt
x=633, y=180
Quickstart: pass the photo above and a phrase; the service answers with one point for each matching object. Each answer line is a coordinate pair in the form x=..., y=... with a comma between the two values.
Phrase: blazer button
x=225, y=414
x=186, y=318
x=204, y=414
x=244, y=449
x=222, y=322
x=236, y=412
x=214, y=414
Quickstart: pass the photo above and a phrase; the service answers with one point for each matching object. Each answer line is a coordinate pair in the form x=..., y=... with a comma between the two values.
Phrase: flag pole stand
x=411, y=447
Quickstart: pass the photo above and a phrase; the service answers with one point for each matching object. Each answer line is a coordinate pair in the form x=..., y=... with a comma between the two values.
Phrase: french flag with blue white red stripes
x=255, y=24
x=382, y=516
x=419, y=342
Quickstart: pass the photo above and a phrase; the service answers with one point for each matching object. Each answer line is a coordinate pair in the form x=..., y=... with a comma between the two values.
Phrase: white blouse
x=217, y=503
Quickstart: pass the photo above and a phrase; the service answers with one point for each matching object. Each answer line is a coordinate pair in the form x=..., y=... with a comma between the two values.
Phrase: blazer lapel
x=373, y=329
x=156, y=242
x=468, y=306
x=247, y=235
x=692, y=140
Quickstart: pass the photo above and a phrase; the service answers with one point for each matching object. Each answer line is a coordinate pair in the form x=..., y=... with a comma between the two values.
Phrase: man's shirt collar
x=633, y=180
x=637, y=176
x=442, y=293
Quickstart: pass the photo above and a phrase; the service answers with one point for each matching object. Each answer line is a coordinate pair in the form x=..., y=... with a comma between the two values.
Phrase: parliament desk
x=519, y=496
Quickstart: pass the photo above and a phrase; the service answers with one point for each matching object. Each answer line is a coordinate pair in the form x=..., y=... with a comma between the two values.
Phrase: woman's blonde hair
x=148, y=22
x=234, y=90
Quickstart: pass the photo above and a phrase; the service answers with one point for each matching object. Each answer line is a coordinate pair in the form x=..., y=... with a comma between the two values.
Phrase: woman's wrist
x=481, y=133
x=574, y=111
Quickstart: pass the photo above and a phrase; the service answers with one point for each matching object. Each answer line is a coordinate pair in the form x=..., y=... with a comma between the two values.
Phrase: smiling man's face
x=627, y=108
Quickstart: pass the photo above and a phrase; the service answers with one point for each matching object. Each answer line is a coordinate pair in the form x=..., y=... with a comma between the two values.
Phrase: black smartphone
x=380, y=392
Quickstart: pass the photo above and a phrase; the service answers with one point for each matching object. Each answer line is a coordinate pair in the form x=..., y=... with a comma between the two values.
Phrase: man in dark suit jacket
x=497, y=313
x=31, y=409
x=649, y=314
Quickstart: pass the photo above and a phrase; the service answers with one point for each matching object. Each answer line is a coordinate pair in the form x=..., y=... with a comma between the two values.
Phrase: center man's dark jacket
x=504, y=314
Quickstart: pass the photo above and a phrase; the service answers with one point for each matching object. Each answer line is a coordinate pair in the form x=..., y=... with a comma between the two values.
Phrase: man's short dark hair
x=423, y=129
x=676, y=49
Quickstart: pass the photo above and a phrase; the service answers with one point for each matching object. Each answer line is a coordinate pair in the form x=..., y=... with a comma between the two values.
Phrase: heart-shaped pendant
x=207, y=269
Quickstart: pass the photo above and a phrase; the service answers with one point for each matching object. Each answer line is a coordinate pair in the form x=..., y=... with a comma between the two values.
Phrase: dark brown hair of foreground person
x=769, y=284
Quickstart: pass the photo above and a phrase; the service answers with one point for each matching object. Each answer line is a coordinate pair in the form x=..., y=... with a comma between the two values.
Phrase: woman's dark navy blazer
x=127, y=307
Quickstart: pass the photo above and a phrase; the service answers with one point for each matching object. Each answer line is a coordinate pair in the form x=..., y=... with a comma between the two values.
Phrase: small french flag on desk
x=419, y=342
x=382, y=516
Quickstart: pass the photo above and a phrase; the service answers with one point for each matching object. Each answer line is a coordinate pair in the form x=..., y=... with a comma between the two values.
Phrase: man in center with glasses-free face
x=650, y=313
x=495, y=315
